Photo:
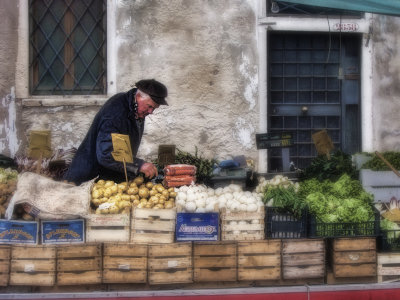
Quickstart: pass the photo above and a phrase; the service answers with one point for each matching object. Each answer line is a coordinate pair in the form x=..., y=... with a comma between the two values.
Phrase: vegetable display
x=199, y=198
x=109, y=197
x=342, y=201
x=376, y=164
x=332, y=168
x=204, y=167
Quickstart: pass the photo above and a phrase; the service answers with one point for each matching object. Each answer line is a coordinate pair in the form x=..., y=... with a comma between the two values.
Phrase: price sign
x=274, y=140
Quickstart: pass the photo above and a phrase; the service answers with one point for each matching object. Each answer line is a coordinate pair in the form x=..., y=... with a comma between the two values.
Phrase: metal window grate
x=303, y=72
x=67, y=47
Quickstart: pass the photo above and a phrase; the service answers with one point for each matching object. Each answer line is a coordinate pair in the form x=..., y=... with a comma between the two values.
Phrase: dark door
x=314, y=84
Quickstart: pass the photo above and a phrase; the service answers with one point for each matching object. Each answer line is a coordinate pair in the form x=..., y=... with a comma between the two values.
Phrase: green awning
x=388, y=7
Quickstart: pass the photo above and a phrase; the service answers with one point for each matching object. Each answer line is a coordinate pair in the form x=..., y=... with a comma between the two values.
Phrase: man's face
x=145, y=107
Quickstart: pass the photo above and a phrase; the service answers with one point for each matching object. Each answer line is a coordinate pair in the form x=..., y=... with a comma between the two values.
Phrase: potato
x=143, y=192
x=138, y=180
x=132, y=190
x=149, y=185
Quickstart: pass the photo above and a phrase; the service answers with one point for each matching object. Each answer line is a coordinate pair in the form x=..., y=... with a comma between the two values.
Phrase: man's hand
x=149, y=170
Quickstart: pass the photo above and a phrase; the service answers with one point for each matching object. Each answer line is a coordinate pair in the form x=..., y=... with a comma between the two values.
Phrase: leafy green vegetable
x=286, y=198
x=204, y=166
x=391, y=229
x=342, y=201
x=323, y=168
x=7, y=175
x=377, y=164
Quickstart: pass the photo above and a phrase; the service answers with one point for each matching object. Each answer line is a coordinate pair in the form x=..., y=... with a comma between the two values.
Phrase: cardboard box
x=197, y=226
x=63, y=231
x=19, y=232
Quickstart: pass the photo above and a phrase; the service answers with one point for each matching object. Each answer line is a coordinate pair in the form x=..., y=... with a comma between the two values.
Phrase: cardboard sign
x=39, y=144
x=323, y=142
x=122, y=148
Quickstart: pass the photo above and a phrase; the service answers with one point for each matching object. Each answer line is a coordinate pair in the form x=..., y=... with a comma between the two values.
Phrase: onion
x=190, y=206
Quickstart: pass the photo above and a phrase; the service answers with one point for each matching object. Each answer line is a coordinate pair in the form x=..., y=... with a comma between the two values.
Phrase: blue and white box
x=197, y=227
x=19, y=232
x=63, y=232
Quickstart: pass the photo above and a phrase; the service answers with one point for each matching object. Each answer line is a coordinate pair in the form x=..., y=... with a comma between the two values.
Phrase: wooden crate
x=354, y=257
x=170, y=263
x=388, y=267
x=79, y=264
x=33, y=265
x=303, y=258
x=259, y=260
x=124, y=263
x=108, y=228
x=240, y=226
x=153, y=225
x=214, y=261
x=5, y=255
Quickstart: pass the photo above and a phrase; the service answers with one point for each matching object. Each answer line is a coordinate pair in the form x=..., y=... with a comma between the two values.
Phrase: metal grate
x=67, y=47
x=303, y=73
x=287, y=8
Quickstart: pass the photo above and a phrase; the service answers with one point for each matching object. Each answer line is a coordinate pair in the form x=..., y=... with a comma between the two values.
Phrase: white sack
x=50, y=199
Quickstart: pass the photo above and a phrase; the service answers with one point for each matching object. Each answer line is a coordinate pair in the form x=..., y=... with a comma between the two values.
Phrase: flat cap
x=155, y=89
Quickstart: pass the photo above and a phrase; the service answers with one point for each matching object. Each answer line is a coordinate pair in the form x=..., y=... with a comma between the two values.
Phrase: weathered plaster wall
x=206, y=54
x=9, y=107
x=386, y=78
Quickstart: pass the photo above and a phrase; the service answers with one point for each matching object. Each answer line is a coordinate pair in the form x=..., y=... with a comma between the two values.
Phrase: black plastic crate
x=283, y=225
x=318, y=228
x=388, y=242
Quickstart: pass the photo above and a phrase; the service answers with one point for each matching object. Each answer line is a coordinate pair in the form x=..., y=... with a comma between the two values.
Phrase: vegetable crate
x=382, y=184
x=124, y=263
x=317, y=228
x=153, y=225
x=170, y=263
x=242, y=225
x=108, y=228
x=389, y=241
x=214, y=261
x=388, y=267
x=5, y=255
x=259, y=260
x=279, y=224
x=33, y=265
x=303, y=258
x=353, y=257
x=79, y=264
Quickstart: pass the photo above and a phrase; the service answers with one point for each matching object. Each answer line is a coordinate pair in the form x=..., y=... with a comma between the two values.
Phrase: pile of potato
x=109, y=197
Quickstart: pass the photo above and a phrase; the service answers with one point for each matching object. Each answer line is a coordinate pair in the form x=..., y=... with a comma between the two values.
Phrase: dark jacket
x=93, y=157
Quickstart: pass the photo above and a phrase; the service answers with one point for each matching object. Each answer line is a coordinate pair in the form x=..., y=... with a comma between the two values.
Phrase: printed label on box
x=197, y=226
x=61, y=232
x=18, y=232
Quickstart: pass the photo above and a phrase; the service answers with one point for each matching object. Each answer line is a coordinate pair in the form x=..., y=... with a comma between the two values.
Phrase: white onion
x=218, y=191
x=200, y=210
x=190, y=206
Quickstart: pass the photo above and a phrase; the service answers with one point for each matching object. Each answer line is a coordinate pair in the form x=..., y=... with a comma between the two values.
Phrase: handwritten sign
x=122, y=150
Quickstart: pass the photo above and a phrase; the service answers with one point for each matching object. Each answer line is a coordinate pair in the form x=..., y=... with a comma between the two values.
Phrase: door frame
x=326, y=24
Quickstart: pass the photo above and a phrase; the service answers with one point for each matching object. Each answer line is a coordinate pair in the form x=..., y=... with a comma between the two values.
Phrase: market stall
x=319, y=231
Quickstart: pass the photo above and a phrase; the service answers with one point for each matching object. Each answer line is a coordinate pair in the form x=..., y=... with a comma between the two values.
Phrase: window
x=67, y=47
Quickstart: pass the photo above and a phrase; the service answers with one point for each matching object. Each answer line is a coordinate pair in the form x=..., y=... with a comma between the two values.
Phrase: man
x=124, y=113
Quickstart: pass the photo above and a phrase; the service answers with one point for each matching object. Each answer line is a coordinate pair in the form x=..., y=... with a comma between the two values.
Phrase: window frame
x=22, y=78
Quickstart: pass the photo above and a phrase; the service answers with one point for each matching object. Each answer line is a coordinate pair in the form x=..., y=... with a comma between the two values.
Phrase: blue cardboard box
x=19, y=232
x=63, y=232
x=197, y=226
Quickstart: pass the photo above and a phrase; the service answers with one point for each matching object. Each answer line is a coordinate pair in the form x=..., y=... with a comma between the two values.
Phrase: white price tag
x=172, y=263
x=29, y=268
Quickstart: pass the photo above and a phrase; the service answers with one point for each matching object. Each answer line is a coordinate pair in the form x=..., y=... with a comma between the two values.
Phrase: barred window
x=67, y=47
